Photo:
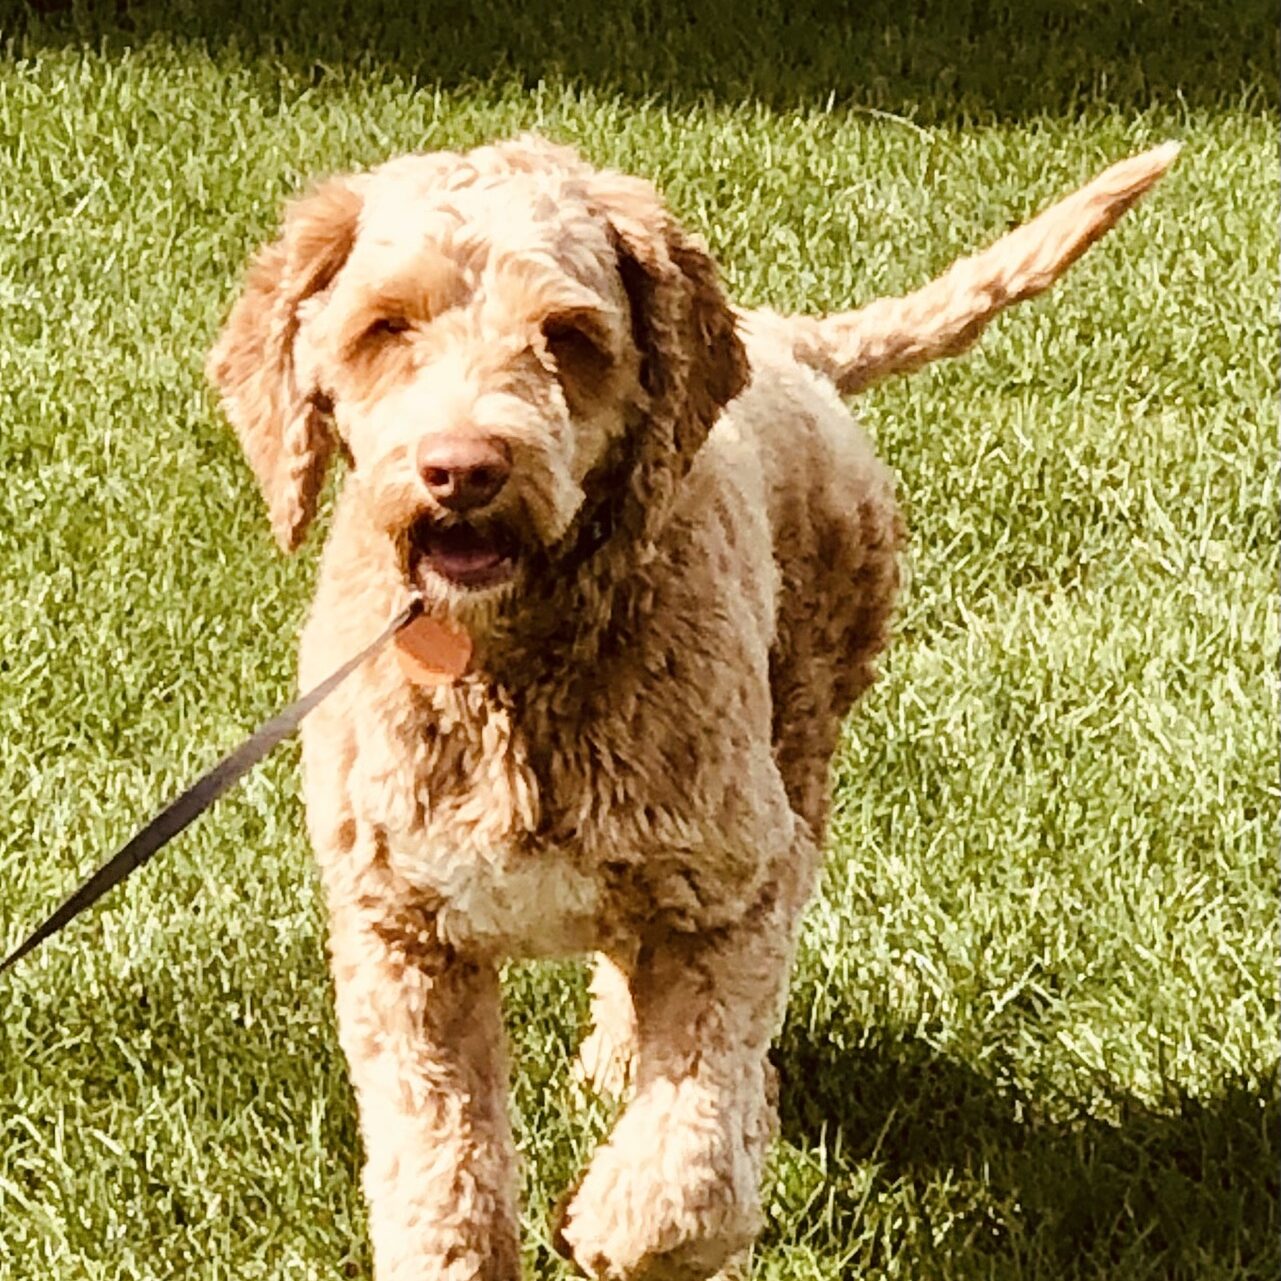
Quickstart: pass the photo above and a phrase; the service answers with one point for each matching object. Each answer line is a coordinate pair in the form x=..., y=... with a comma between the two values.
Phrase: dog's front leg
x=422, y=1031
x=674, y=1194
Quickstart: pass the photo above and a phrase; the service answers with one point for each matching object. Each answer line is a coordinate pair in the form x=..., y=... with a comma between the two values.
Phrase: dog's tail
x=895, y=335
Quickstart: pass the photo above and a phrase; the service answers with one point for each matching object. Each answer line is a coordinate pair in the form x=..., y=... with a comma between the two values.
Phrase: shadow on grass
x=969, y=61
x=1189, y=1190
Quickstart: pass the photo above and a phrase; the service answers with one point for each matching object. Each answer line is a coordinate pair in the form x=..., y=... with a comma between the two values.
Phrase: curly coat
x=702, y=557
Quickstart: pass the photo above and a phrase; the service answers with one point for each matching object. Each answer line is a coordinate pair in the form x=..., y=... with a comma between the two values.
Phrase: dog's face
x=484, y=336
x=476, y=348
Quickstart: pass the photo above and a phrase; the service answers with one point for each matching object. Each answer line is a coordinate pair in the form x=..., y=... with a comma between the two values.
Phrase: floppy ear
x=279, y=412
x=692, y=362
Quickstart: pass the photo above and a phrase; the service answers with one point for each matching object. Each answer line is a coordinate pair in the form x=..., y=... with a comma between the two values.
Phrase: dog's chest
x=527, y=841
x=460, y=808
x=499, y=895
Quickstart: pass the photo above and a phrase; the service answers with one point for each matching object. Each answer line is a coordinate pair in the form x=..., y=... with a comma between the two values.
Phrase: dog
x=663, y=560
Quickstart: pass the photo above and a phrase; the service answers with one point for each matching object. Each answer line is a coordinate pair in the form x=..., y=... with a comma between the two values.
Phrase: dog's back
x=833, y=565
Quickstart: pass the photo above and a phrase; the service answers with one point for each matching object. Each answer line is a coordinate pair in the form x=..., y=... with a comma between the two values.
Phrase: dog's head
x=505, y=344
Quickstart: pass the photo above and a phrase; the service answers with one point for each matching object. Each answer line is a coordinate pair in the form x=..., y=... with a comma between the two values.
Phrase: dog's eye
x=386, y=327
x=580, y=352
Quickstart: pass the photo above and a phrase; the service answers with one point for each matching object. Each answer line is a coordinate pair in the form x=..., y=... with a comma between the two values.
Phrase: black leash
x=201, y=794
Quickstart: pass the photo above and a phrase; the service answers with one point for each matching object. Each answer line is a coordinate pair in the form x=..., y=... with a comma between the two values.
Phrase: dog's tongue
x=467, y=560
x=462, y=551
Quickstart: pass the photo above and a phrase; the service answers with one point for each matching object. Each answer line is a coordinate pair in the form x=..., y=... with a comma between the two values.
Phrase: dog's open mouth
x=463, y=554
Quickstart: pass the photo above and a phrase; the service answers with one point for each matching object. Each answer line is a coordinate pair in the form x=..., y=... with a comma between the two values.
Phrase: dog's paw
x=673, y=1195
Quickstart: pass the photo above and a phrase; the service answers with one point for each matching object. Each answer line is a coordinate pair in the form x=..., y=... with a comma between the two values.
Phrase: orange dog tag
x=431, y=652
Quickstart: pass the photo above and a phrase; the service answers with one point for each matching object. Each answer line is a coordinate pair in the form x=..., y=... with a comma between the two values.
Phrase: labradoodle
x=662, y=558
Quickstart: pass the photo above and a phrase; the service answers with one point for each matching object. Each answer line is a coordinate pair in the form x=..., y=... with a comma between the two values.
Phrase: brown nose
x=463, y=472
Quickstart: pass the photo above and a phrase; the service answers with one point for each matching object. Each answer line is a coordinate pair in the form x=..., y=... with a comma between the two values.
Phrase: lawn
x=1034, y=1026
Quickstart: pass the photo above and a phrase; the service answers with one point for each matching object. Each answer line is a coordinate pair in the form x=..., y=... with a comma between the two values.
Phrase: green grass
x=1034, y=1026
